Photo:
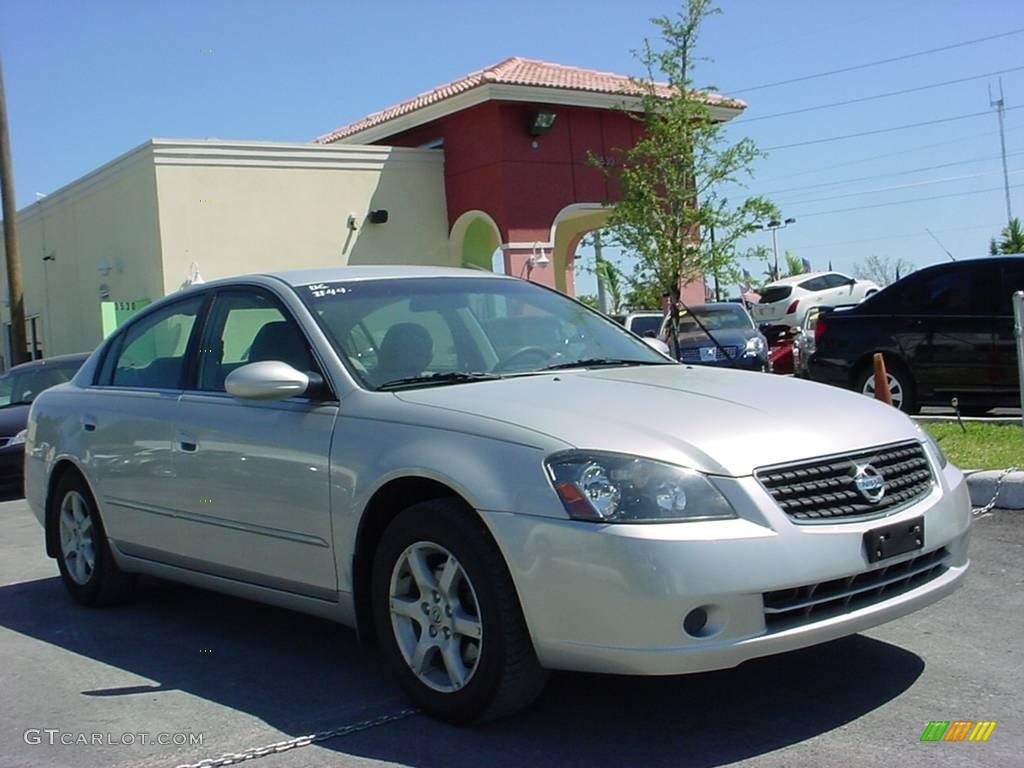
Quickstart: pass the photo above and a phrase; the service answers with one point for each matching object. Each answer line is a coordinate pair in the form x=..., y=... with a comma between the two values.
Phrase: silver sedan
x=487, y=479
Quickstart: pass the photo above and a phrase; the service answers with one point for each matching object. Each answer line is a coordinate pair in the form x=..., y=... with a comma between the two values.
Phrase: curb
x=982, y=484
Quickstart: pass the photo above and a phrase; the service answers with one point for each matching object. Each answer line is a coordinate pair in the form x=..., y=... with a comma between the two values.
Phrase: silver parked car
x=488, y=479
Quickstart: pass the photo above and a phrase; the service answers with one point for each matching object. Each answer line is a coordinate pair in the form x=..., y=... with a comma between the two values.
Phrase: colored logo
x=869, y=482
x=958, y=730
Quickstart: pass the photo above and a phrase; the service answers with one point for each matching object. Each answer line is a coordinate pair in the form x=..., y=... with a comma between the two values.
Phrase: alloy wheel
x=895, y=389
x=435, y=616
x=77, y=540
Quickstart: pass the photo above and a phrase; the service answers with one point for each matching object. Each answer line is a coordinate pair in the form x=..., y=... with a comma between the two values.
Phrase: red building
x=517, y=138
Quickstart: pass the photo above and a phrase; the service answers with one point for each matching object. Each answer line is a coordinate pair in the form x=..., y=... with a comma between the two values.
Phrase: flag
x=806, y=265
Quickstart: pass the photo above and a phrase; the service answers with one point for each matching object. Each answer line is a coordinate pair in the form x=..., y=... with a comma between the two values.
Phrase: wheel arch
x=61, y=468
x=390, y=499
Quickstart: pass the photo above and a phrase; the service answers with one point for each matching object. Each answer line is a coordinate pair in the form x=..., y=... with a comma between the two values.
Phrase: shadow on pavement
x=301, y=674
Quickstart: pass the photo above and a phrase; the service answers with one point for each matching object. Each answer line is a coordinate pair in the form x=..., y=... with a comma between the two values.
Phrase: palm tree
x=608, y=274
x=1011, y=239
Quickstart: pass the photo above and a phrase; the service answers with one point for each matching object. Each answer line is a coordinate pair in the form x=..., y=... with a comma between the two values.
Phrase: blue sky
x=88, y=81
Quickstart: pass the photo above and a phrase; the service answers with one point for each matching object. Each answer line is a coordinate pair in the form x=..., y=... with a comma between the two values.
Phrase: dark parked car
x=18, y=388
x=946, y=331
x=739, y=343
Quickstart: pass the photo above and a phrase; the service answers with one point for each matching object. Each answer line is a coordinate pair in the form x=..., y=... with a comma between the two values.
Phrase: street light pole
x=775, y=225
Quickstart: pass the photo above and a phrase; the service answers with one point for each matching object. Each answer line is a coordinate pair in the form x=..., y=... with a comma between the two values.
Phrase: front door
x=952, y=356
x=254, y=475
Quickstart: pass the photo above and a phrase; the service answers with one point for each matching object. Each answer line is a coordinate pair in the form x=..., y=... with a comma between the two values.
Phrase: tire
x=901, y=385
x=482, y=665
x=83, y=554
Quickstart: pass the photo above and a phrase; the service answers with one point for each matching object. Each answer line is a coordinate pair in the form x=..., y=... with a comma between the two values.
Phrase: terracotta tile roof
x=513, y=71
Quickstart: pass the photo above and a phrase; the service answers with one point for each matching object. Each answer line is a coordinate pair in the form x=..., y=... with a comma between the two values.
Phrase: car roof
x=297, y=277
x=74, y=357
x=799, y=278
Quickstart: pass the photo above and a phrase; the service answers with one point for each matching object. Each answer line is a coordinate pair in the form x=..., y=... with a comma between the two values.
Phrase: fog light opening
x=696, y=622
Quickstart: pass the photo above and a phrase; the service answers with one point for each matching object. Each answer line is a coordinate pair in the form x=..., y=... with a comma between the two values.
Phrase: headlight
x=18, y=439
x=943, y=461
x=755, y=346
x=616, y=488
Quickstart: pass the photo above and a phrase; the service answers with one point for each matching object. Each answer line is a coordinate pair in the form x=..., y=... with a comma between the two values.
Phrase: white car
x=786, y=301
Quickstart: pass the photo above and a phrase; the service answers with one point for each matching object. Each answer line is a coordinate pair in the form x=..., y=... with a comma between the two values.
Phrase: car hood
x=13, y=419
x=726, y=337
x=718, y=421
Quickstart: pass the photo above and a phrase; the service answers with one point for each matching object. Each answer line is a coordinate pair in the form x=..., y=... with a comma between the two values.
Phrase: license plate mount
x=896, y=539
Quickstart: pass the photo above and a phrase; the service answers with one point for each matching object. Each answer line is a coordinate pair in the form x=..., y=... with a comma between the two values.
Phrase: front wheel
x=901, y=386
x=448, y=619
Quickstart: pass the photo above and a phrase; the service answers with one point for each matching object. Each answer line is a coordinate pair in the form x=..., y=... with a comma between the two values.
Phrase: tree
x=882, y=269
x=794, y=264
x=589, y=299
x=610, y=276
x=1011, y=239
x=671, y=180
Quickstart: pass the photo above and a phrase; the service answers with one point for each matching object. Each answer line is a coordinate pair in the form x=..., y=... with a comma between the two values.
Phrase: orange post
x=881, y=380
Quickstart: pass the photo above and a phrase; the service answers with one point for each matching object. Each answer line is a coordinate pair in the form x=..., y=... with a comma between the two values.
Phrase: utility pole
x=718, y=293
x=1000, y=107
x=602, y=290
x=14, y=290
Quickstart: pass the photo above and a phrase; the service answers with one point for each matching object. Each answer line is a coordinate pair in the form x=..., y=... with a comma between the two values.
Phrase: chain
x=234, y=758
x=980, y=511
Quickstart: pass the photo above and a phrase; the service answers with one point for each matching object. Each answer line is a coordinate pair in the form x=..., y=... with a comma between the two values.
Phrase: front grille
x=693, y=355
x=824, y=489
x=786, y=608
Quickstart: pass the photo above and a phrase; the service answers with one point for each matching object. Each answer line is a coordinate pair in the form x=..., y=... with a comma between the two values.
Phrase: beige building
x=138, y=227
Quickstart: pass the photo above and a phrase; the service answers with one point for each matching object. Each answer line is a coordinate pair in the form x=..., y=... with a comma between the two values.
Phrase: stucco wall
x=104, y=219
x=234, y=208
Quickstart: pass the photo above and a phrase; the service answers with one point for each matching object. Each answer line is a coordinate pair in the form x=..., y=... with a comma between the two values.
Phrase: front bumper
x=741, y=363
x=613, y=598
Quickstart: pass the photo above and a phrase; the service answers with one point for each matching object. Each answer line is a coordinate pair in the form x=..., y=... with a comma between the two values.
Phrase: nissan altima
x=485, y=478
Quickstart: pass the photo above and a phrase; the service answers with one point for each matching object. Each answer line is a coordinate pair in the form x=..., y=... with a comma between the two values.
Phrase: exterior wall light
x=379, y=216
x=541, y=122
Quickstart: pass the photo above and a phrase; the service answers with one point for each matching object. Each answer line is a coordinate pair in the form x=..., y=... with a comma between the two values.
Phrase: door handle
x=89, y=423
x=187, y=442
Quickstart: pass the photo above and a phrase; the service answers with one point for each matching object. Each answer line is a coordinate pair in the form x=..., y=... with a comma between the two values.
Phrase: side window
x=1013, y=281
x=249, y=327
x=814, y=284
x=948, y=292
x=835, y=281
x=152, y=354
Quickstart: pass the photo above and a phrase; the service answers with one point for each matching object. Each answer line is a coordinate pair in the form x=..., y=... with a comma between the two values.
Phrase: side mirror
x=658, y=345
x=650, y=335
x=267, y=380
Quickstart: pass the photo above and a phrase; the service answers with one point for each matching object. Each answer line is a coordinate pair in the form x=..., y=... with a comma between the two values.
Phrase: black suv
x=946, y=331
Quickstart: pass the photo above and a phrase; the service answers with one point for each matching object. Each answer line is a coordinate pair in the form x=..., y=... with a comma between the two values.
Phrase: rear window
x=776, y=293
x=642, y=325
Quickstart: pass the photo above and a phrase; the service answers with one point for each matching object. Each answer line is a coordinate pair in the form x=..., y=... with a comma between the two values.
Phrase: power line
x=876, y=96
x=885, y=130
x=926, y=183
x=879, y=62
x=886, y=175
x=904, y=202
x=990, y=227
x=898, y=153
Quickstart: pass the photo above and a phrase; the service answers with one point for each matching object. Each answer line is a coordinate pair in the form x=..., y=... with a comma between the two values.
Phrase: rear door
x=1005, y=374
x=128, y=424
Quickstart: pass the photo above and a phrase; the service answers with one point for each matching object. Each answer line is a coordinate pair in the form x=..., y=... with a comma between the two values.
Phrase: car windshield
x=21, y=387
x=430, y=331
x=714, y=319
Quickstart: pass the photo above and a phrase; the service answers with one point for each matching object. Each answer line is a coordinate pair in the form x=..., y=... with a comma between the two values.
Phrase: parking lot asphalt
x=180, y=660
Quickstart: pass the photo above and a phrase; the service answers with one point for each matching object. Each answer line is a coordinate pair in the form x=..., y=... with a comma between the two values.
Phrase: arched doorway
x=474, y=240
